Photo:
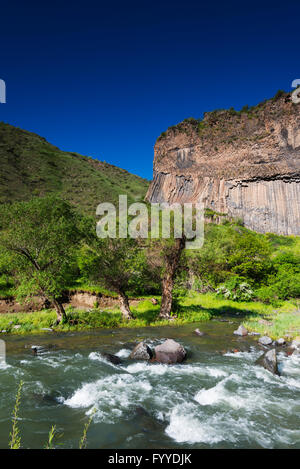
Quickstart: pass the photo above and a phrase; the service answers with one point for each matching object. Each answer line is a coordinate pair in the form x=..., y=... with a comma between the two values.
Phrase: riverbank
x=194, y=307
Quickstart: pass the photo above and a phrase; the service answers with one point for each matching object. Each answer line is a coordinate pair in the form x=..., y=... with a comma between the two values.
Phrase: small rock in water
x=242, y=331
x=269, y=361
x=170, y=352
x=142, y=352
x=199, y=333
x=265, y=340
x=280, y=341
x=296, y=343
x=112, y=358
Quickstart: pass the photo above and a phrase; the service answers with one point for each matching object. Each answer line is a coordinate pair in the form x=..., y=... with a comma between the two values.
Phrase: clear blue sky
x=106, y=78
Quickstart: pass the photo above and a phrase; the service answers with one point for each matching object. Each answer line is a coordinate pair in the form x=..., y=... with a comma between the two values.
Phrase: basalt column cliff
x=245, y=164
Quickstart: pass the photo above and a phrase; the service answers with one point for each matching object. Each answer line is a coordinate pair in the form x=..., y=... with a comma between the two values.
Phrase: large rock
x=141, y=352
x=170, y=352
x=242, y=331
x=269, y=361
x=265, y=340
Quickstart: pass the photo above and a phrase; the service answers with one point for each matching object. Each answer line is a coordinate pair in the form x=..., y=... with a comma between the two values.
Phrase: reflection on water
x=213, y=400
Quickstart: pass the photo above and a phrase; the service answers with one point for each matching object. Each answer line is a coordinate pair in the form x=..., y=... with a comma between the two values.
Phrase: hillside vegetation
x=30, y=166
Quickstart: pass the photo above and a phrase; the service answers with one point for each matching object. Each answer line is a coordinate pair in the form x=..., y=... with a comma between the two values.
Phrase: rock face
x=242, y=164
x=141, y=352
x=269, y=361
x=170, y=352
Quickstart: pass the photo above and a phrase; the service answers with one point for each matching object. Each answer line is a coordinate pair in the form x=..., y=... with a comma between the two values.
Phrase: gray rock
x=253, y=333
x=17, y=327
x=4, y=331
x=280, y=341
x=295, y=343
x=265, y=340
x=199, y=333
x=242, y=331
x=170, y=352
x=269, y=361
x=141, y=352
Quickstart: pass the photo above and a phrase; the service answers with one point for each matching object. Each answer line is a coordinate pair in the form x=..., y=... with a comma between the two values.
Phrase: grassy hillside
x=29, y=165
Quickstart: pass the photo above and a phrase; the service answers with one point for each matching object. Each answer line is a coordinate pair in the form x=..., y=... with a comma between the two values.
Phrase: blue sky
x=104, y=79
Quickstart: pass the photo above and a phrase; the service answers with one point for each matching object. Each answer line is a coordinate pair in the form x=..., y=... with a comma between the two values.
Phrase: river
x=213, y=400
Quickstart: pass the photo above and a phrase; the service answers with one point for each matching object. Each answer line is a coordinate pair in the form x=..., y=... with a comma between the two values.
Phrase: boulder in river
x=170, y=352
x=112, y=358
x=265, y=340
x=242, y=331
x=141, y=352
x=199, y=333
x=269, y=361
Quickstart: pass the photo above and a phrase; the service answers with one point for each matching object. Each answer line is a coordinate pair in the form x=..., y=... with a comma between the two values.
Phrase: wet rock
x=296, y=343
x=265, y=340
x=242, y=331
x=142, y=352
x=112, y=358
x=199, y=333
x=269, y=361
x=170, y=352
x=280, y=341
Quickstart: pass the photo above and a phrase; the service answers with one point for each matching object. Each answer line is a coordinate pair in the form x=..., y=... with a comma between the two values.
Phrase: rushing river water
x=211, y=401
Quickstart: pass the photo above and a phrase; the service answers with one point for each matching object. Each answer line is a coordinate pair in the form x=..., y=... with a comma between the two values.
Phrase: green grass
x=29, y=165
x=193, y=308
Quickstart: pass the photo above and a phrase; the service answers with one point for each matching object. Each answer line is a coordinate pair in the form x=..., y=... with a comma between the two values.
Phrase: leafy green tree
x=38, y=239
x=117, y=264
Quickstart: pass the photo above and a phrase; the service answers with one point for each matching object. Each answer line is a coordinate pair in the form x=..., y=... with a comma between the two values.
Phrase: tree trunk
x=60, y=311
x=124, y=306
x=171, y=264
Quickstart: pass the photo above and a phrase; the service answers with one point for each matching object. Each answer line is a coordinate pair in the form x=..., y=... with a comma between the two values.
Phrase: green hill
x=30, y=166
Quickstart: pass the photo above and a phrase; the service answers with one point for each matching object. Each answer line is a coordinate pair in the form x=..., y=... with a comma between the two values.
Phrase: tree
x=117, y=264
x=164, y=258
x=39, y=238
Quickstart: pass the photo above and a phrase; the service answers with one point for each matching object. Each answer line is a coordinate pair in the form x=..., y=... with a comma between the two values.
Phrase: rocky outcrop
x=242, y=164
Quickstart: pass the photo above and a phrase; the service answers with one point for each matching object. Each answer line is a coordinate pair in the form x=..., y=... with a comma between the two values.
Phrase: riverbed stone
x=170, y=352
x=296, y=343
x=269, y=361
x=199, y=333
x=265, y=340
x=112, y=358
x=280, y=341
x=241, y=330
x=141, y=352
